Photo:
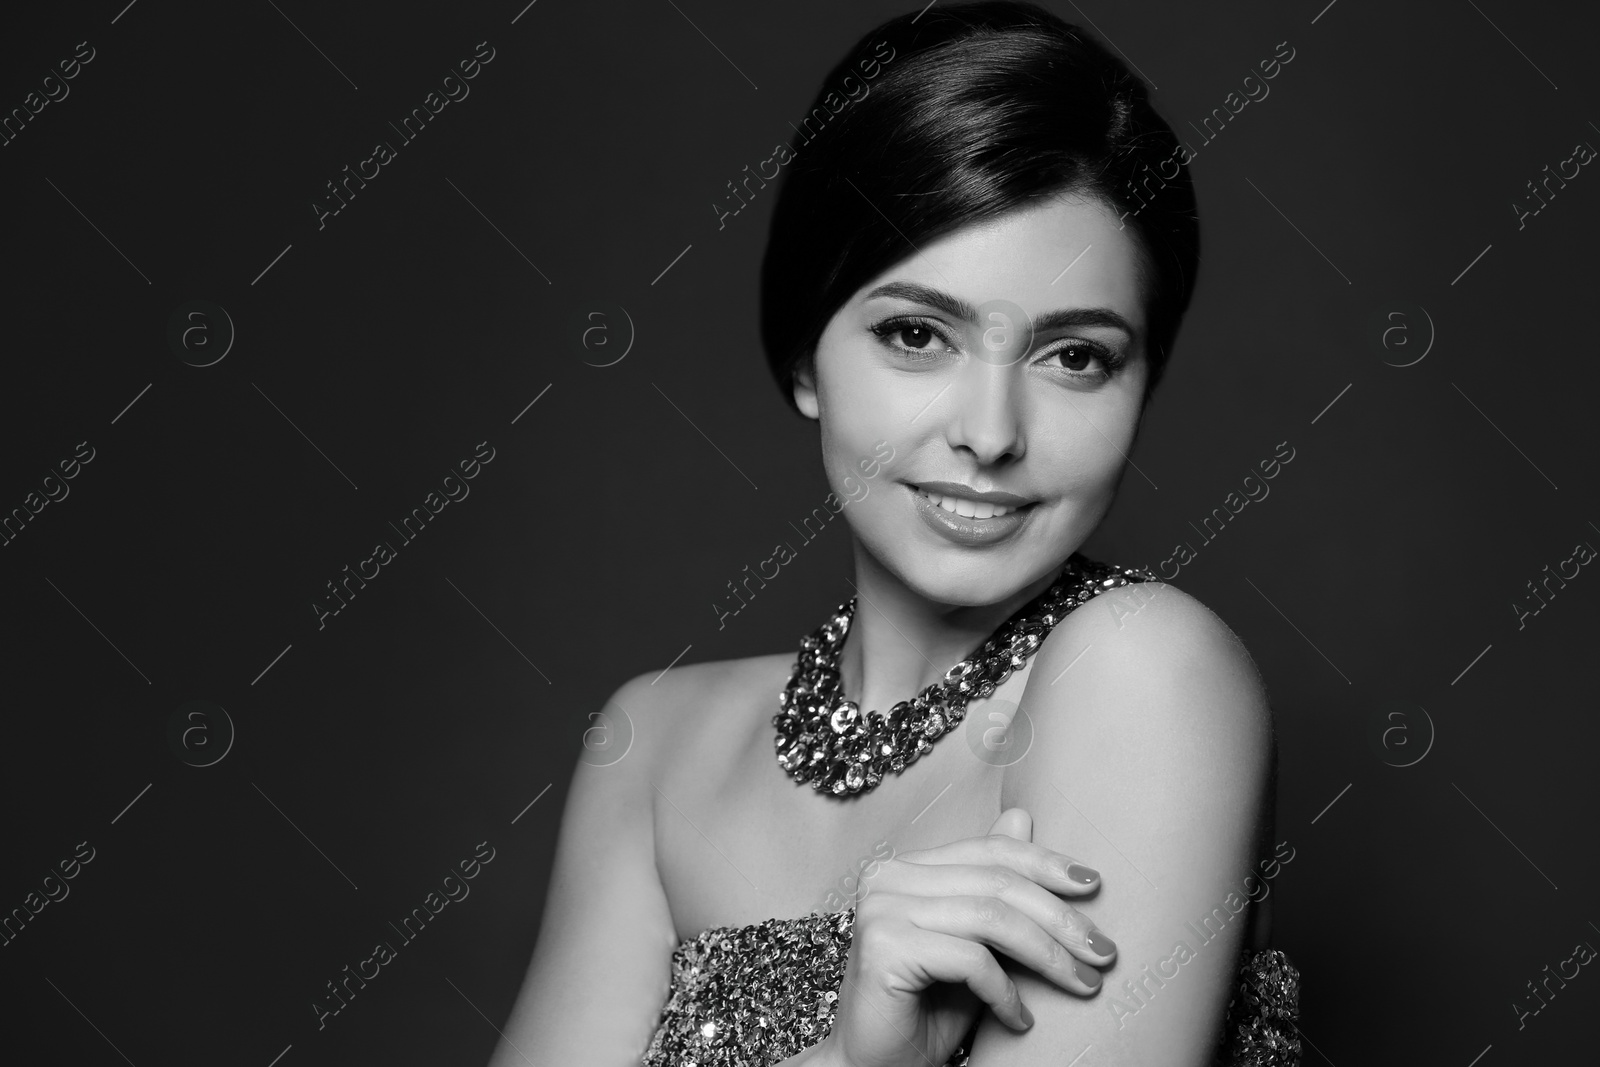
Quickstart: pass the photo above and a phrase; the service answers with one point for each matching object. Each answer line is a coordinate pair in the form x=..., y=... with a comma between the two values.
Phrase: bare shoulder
x=685, y=703
x=689, y=686
x=1152, y=659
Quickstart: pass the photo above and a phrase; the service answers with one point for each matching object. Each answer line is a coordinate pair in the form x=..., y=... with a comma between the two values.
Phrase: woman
x=979, y=257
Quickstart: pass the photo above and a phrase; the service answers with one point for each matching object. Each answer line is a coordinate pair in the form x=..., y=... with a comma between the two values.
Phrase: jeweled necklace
x=828, y=741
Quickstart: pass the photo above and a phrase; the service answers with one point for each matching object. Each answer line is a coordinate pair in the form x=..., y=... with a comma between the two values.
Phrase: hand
x=920, y=967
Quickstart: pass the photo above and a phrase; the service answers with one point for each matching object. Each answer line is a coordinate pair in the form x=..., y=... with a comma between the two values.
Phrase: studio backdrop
x=382, y=389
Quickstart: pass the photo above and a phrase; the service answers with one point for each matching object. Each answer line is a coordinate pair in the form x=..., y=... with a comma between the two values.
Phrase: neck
x=900, y=642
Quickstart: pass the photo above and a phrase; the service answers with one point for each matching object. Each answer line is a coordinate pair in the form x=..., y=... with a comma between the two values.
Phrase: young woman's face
x=1005, y=365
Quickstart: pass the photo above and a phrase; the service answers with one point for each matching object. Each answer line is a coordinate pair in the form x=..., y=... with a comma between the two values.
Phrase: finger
x=1075, y=931
x=942, y=958
x=1014, y=822
x=1055, y=871
x=993, y=922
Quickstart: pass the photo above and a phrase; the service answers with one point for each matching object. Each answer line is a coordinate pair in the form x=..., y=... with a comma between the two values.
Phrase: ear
x=805, y=388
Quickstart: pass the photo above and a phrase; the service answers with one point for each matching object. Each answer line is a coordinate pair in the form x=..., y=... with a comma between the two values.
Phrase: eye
x=914, y=337
x=1085, y=361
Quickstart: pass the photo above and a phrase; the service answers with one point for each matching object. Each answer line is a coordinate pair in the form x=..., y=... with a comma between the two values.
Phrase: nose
x=986, y=419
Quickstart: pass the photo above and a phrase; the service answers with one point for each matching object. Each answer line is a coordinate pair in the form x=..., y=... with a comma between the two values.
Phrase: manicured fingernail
x=1086, y=974
x=1077, y=872
x=1101, y=944
x=1027, y=1016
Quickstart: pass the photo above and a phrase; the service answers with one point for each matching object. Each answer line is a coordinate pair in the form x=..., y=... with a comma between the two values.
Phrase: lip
x=966, y=492
x=970, y=532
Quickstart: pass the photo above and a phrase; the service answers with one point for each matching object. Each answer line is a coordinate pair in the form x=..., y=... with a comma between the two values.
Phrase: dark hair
x=959, y=114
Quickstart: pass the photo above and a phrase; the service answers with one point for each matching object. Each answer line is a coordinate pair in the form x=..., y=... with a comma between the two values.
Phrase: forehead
x=1065, y=252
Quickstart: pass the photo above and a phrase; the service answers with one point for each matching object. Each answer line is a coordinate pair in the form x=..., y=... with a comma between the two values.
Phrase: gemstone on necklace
x=830, y=742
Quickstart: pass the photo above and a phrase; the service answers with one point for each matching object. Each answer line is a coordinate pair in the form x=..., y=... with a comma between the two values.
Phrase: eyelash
x=1111, y=362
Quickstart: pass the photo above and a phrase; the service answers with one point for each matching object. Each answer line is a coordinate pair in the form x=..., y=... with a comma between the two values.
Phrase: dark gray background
x=455, y=689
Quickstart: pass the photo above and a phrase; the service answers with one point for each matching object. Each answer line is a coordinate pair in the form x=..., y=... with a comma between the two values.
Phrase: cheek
x=1085, y=448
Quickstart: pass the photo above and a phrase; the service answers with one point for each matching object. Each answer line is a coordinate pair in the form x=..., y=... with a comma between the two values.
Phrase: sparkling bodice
x=753, y=996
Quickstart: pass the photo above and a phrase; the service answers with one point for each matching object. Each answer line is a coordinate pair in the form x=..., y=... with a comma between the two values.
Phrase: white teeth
x=972, y=509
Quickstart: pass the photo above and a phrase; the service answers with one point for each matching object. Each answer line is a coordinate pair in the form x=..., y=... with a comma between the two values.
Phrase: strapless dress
x=752, y=996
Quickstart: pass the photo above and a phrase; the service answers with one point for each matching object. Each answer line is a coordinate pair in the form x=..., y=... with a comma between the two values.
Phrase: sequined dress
x=752, y=996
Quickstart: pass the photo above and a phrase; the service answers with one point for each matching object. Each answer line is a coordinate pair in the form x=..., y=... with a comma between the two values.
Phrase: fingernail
x=1027, y=1016
x=1077, y=872
x=1086, y=974
x=1101, y=944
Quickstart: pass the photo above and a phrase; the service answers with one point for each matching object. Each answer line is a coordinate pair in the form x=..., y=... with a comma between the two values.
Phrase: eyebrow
x=960, y=309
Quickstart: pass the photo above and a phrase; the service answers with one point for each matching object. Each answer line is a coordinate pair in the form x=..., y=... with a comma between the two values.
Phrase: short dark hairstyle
x=980, y=109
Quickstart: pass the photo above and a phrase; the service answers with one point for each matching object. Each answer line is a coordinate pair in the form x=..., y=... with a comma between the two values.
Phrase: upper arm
x=601, y=966
x=1150, y=763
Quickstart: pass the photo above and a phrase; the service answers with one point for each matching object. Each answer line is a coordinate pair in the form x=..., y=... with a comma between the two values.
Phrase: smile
x=968, y=517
